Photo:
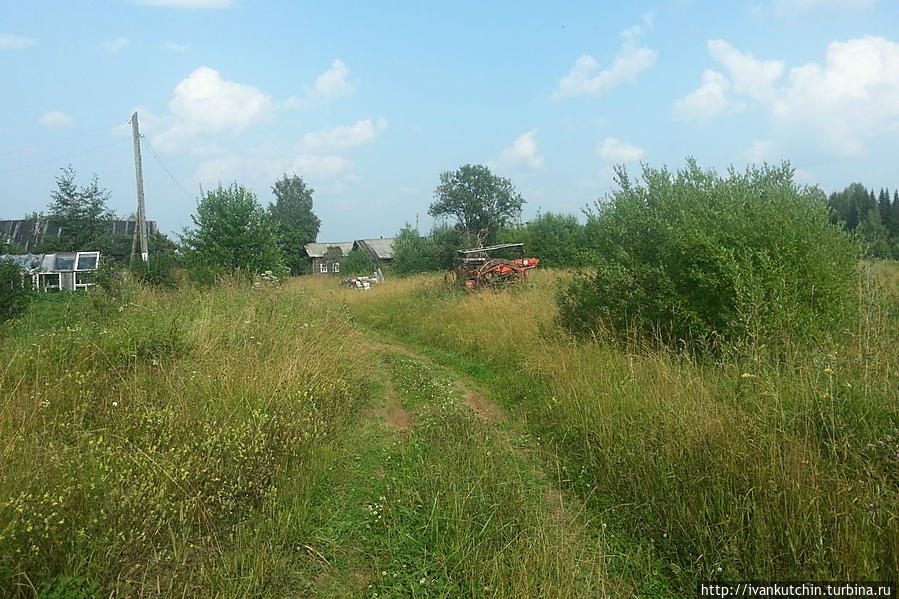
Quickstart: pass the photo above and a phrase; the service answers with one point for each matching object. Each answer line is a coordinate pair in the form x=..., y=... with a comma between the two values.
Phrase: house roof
x=317, y=250
x=381, y=248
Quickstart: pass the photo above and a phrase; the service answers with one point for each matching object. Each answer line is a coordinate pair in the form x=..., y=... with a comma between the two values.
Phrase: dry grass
x=736, y=469
x=139, y=436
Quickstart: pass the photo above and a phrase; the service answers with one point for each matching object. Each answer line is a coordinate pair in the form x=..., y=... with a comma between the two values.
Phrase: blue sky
x=370, y=101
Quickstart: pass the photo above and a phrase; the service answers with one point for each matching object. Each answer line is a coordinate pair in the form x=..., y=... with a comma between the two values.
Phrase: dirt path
x=444, y=494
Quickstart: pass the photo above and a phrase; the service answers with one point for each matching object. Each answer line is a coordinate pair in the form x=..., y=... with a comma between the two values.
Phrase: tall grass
x=141, y=438
x=734, y=469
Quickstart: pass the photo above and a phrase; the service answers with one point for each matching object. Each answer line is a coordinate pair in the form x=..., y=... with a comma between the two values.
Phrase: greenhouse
x=62, y=271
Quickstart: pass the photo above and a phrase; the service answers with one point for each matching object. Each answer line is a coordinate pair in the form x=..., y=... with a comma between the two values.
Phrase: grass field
x=412, y=441
x=738, y=470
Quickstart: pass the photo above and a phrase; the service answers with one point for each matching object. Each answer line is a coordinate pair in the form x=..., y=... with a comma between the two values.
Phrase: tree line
x=687, y=256
x=231, y=229
x=473, y=207
x=875, y=219
x=484, y=208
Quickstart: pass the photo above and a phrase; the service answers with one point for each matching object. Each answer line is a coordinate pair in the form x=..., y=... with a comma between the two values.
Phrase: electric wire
x=167, y=171
x=30, y=147
x=57, y=158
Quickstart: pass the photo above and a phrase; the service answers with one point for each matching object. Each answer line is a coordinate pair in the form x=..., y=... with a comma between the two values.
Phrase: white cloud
x=523, y=153
x=853, y=96
x=614, y=150
x=760, y=151
x=116, y=45
x=754, y=78
x=707, y=101
x=747, y=77
x=850, y=98
x=258, y=167
x=201, y=4
x=173, y=47
x=9, y=41
x=55, y=120
x=315, y=166
x=204, y=104
x=220, y=170
x=587, y=79
x=344, y=138
x=332, y=84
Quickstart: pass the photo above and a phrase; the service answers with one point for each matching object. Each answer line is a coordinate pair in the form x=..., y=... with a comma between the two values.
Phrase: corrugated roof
x=317, y=250
x=381, y=248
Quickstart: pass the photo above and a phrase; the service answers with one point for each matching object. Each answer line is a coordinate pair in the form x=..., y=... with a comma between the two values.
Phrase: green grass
x=142, y=434
x=446, y=507
x=731, y=470
x=308, y=440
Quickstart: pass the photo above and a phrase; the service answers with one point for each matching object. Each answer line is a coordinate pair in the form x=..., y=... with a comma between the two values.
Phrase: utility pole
x=139, y=175
x=416, y=222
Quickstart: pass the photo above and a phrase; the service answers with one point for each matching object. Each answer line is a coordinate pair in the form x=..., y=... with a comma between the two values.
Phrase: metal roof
x=381, y=248
x=317, y=250
x=491, y=248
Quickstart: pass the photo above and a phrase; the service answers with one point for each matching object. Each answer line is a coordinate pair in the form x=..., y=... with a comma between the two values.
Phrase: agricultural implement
x=478, y=270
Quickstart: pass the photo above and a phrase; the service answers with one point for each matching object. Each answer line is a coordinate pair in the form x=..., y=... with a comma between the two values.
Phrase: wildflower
x=828, y=370
x=115, y=404
x=747, y=375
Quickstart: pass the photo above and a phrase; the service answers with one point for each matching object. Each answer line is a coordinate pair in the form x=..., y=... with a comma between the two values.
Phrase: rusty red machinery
x=478, y=270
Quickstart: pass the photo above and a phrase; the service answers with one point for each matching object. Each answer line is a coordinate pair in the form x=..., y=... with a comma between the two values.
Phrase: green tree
x=358, y=262
x=15, y=290
x=892, y=220
x=292, y=213
x=480, y=201
x=444, y=241
x=233, y=231
x=81, y=212
x=412, y=253
x=557, y=240
x=118, y=247
x=697, y=257
x=874, y=234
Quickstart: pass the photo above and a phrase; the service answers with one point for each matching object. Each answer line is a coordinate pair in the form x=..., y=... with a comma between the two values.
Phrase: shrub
x=557, y=239
x=14, y=291
x=412, y=253
x=234, y=232
x=158, y=271
x=694, y=257
x=358, y=262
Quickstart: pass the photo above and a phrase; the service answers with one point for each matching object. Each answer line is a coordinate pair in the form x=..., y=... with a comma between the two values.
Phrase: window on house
x=323, y=267
x=87, y=260
x=337, y=267
x=65, y=261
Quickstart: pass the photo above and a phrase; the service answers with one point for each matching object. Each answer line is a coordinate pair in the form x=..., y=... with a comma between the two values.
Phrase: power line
x=167, y=171
x=69, y=155
x=30, y=147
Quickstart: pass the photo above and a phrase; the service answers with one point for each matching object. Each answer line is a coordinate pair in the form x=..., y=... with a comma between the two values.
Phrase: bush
x=412, y=253
x=234, y=232
x=158, y=271
x=15, y=291
x=694, y=257
x=358, y=262
x=557, y=240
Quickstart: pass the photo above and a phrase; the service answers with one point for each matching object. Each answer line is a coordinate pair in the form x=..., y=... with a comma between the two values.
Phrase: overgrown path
x=440, y=493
